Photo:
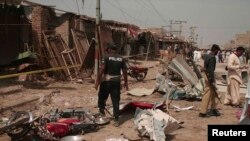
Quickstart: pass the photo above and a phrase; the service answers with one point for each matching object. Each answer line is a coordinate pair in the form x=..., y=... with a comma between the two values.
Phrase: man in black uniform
x=112, y=66
x=209, y=94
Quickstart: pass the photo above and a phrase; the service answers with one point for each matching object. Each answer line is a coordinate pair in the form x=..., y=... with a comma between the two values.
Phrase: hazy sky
x=217, y=21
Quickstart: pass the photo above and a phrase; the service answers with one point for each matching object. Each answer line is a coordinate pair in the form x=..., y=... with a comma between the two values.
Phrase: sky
x=217, y=21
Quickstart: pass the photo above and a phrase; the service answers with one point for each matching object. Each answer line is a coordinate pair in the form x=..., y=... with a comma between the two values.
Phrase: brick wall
x=63, y=29
x=106, y=36
x=39, y=24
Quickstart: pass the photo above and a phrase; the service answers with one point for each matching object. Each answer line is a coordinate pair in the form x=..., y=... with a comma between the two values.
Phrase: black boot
x=116, y=122
x=204, y=115
x=102, y=112
x=214, y=112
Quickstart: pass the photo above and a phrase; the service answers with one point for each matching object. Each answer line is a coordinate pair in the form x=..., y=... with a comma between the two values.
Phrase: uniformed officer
x=209, y=94
x=112, y=66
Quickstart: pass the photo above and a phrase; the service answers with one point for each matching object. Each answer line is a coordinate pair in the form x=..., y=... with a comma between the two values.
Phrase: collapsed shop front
x=15, y=35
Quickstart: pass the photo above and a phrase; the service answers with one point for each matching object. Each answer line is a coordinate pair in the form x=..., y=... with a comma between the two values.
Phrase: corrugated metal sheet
x=179, y=65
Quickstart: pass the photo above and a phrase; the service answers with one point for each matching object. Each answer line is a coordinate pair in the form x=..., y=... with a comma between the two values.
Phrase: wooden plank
x=57, y=47
x=51, y=56
x=81, y=44
x=87, y=66
x=77, y=47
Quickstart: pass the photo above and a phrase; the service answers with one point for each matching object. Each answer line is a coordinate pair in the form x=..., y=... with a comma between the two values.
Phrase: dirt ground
x=71, y=94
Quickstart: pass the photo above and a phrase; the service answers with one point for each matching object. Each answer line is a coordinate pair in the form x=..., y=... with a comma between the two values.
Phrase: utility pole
x=201, y=42
x=78, y=7
x=97, y=37
x=170, y=27
x=192, y=35
x=83, y=7
x=165, y=32
x=180, y=29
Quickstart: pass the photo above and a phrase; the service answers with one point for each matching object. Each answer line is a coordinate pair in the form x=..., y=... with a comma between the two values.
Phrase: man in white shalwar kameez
x=232, y=97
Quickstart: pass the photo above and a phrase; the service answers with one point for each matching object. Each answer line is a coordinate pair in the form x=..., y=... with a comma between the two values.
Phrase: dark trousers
x=112, y=88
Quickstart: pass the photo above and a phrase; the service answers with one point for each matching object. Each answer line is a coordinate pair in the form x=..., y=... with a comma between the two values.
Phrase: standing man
x=112, y=66
x=220, y=57
x=195, y=55
x=127, y=49
x=190, y=54
x=141, y=50
x=209, y=94
x=198, y=55
x=234, y=67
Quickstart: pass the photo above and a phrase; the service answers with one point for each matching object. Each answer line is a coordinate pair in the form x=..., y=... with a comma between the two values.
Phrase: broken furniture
x=74, y=59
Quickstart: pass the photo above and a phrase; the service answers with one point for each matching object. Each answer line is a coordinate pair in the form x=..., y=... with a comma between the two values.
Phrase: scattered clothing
x=155, y=124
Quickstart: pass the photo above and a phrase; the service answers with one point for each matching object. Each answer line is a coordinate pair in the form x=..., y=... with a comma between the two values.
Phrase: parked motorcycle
x=139, y=73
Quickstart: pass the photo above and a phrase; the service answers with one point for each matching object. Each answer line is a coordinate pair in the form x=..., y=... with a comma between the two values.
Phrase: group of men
x=210, y=96
x=113, y=64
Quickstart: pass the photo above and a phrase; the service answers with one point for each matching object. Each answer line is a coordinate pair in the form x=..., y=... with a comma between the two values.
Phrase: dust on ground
x=71, y=94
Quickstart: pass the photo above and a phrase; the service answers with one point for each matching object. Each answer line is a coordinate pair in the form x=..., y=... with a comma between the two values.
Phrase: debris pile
x=155, y=124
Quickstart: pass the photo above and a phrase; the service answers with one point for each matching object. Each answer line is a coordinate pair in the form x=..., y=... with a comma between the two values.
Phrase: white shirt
x=233, y=66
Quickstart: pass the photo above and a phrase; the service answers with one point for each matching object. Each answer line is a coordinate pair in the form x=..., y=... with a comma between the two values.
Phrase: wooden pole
x=96, y=36
x=148, y=48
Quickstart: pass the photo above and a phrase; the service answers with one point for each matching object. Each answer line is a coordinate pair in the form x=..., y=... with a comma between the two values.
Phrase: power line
x=89, y=7
x=124, y=12
x=121, y=9
x=157, y=12
x=144, y=5
x=139, y=13
x=82, y=6
x=77, y=7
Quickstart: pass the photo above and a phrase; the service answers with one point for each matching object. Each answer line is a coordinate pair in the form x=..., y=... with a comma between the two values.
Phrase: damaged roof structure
x=162, y=41
x=57, y=39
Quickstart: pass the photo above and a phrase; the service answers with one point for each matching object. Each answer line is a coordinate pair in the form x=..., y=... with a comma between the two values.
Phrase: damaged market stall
x=162, y=42
x=15, y=36
x=69, y=43
x=81, y=39
x=145, y=45
x=111, y=31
